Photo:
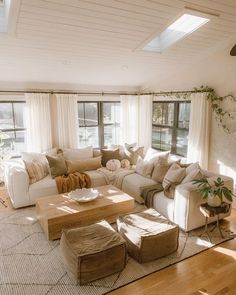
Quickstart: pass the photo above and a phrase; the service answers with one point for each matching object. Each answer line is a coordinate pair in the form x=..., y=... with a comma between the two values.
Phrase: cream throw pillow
x=84, y=165
x=132, y=153
x=154, y=155
x=36, y=170
x=29, y=157
x=193, y=175
x=144, y=167
x=77, y=154
x=174, y=176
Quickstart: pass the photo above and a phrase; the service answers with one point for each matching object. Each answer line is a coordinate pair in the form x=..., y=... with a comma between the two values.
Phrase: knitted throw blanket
x=72, y=181
x=148, y=192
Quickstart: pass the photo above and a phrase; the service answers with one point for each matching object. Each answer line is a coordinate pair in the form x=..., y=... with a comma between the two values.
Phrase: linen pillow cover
x=57, y=165
x=84, y=165
x=132, y=153
x=109, y=155
x=77, y=154
x=173, y=177
x=144, y=167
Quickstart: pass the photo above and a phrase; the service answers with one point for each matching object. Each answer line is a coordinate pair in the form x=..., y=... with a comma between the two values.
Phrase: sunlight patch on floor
x=225, y=251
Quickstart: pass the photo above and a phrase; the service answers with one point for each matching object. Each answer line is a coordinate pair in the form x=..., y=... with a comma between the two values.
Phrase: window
x=99, y=123
x=13, y=125
x=170, y=125
x=111, y=122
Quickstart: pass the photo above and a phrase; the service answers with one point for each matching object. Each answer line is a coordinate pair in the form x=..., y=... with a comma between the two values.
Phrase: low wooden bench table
x=59, y=211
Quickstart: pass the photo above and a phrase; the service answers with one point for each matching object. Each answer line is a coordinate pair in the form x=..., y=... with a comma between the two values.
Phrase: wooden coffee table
x=59, y=211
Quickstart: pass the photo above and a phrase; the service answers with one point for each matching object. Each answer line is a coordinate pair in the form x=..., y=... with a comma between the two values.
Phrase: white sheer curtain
x=145, y=121
x=136, y=119
x=67, y=120
x=129, y=118
x=38, y=122
x=199, y=130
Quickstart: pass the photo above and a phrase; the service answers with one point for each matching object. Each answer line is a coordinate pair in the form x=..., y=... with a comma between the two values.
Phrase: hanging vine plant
x=216, y=103
x=215, y=100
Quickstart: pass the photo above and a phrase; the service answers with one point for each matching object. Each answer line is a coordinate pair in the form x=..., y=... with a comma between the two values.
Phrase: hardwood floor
x=212, y=272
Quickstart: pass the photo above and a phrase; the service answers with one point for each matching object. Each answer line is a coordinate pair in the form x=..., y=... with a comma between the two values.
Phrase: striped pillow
x=36, y=170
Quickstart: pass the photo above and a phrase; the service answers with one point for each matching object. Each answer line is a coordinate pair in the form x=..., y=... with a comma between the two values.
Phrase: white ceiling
x=59, y=43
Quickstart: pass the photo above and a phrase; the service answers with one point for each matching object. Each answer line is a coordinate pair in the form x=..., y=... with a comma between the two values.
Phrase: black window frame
x=173, y=127
x=12, y=102
x=101, y=125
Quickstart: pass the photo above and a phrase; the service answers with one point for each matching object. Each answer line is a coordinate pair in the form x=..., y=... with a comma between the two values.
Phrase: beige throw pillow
x=160, y=169
x=193, y=175
x=36, y=170
x=78, y=154
x=154, y=155
x=173, y=177
x=84, y=165
x=161, y=166
x=57, y=165
x=132, y=153
x=144, y=167
x=36, y=157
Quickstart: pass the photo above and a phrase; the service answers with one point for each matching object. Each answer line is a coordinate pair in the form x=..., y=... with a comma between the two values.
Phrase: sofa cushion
x=109, y=155
x=174, y=176
x=144, y=167
x=133, y=183
x=132, y=153
x=97, y=179
x=193, y=175
x=154, y=155
x=39, y=157
x=83, y=165
x=57, y=165
x=44, y=187
x=77, y=154
x=36, y=170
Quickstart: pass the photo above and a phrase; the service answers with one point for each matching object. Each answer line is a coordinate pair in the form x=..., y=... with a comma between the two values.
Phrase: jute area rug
x=30, y=264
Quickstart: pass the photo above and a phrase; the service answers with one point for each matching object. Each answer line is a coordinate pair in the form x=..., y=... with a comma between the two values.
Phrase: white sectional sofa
x=23, y=194
x=183, y=209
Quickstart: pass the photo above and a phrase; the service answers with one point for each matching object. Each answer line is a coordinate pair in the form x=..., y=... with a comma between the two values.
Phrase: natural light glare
x=183, y=26
x=188, y=23
x=226, y=251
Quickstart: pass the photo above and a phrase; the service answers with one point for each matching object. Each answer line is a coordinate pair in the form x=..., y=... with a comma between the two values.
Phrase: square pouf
x=92, y=252
x=148, y=234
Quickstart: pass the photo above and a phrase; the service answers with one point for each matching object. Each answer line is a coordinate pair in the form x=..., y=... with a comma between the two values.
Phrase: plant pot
x=213, y=201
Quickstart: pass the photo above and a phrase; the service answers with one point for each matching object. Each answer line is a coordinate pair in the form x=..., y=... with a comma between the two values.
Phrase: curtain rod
x=97, y=93
x=65, y=92
x=173, y=92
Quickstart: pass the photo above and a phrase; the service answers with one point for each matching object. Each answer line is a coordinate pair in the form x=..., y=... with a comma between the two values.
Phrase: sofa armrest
x=17, y=183
x=187, y=202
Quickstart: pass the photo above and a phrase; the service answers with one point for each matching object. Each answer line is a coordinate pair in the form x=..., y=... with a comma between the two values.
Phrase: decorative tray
x=83, y=195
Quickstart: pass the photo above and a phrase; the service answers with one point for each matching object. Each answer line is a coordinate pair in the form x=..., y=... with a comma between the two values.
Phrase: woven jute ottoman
x=148, y=234
x=92, y=252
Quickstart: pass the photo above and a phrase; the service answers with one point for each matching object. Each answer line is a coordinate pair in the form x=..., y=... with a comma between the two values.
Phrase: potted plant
x=214, y=191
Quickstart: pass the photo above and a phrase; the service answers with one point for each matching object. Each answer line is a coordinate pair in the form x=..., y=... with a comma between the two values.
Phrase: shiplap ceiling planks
x=97, y=42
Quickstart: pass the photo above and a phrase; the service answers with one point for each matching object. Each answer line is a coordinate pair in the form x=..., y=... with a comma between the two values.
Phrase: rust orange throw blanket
x=72, y=181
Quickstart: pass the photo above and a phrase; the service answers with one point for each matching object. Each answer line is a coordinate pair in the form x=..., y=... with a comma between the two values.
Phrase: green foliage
x=217, y=189
x=215, y=101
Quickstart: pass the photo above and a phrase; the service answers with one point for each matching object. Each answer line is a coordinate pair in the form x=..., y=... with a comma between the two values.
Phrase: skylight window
x=4, y=14
x=182, y=27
